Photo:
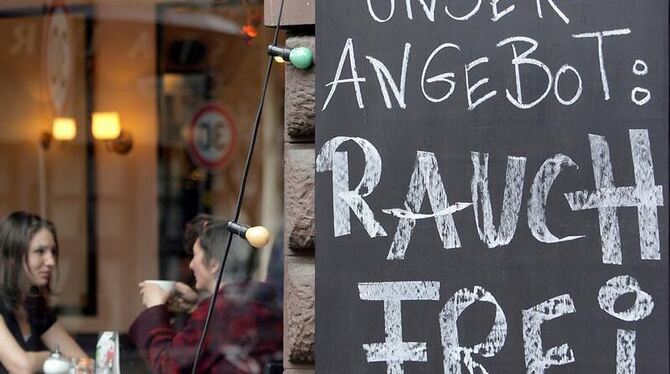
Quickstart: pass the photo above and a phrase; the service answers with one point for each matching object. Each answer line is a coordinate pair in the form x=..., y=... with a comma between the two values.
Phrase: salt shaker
x=56, y=364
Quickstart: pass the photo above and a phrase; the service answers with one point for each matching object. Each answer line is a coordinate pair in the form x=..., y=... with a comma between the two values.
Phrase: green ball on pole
x=301, y=57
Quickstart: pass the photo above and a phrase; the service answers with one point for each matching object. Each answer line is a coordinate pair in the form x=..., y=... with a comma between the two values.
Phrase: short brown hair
x=194, y=228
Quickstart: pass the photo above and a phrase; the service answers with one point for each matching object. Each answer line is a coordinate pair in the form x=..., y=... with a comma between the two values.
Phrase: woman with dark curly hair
x=28, y=327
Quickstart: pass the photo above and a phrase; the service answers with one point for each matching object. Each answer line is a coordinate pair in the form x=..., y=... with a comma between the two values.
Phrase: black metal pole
x=240, y=196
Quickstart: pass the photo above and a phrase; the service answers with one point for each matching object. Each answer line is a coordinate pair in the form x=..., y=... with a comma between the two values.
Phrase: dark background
x=525, y=272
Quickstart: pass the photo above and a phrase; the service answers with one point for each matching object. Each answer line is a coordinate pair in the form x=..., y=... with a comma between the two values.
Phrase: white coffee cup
x=167, y=285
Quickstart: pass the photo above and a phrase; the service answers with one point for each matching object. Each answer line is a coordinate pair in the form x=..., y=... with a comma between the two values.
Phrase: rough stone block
x=299, y=198
x=299, y=96
x=299, y=308
x=299, y=371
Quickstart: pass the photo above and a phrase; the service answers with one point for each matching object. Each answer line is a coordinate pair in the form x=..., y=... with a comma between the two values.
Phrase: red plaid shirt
x=245, y=331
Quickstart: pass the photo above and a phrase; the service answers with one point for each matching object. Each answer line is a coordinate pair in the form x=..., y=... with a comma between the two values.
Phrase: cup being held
x=156, y=292
x=167, y=285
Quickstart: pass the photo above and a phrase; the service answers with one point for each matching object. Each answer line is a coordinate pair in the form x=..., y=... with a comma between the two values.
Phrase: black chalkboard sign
x=492, y=186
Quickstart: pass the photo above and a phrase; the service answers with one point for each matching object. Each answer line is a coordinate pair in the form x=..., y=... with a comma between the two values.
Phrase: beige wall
x=126, y=184
x=52, y=182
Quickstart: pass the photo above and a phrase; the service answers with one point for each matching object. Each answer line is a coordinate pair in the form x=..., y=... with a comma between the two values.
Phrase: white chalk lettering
x=383, y=73
x=522, y=60
x=428, y=7
x=340, y=178
x=646, y=95
x=645, y=195
x=454, y=354
x=344, y=199
x=465, y=17
x=625, y=351
x=429, y=10
x=577, y=94
x=537, y=361
x=425, y=179
x=539, y=192
x=511, y=205
x=480, y=82
x=497, y=14
x=347, y=52
x=444, y=77
x=640, y=67
x=374, y=14
x=393, y=350
x=609, y=293
x=617, y=287
x=556, y=9
x=601, y=59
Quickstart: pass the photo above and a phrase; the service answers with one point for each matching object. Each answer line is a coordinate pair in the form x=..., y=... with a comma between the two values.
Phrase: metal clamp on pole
x=257, y=236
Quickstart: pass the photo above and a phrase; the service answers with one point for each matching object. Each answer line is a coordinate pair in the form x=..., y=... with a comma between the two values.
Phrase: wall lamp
x=62, y=129
x=107, y=127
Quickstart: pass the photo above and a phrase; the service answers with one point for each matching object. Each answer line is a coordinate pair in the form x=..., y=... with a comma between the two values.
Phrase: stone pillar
x=298, y=18
x=299, y=233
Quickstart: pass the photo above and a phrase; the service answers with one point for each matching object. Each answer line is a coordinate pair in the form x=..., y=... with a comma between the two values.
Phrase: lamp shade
x=106, y=125
x=64, y=128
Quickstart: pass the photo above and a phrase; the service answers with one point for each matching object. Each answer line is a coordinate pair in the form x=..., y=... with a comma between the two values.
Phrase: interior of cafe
x=124, y=119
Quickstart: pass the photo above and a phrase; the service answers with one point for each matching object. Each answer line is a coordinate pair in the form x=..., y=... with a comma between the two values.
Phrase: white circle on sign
x=59, y=60
x=640, y=67
x=211, y=136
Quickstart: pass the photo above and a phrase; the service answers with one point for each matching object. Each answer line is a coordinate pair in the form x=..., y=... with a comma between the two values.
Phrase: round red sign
x=211, y=136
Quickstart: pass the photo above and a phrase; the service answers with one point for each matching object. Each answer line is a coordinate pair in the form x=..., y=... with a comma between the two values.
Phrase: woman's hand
x=183, y=299
x=152, y=294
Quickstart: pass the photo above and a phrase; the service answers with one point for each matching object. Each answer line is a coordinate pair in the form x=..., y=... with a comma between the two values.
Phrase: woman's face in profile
x=41, y=258
x=204, y=274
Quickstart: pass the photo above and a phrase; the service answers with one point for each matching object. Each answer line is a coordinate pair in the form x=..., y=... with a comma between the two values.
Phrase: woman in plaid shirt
x=245, y=329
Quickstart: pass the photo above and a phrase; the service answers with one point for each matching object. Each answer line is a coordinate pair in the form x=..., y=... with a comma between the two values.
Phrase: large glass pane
x=175, y=85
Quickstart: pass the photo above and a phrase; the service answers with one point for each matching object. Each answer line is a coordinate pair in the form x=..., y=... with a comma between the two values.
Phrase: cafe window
x=122, y=120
